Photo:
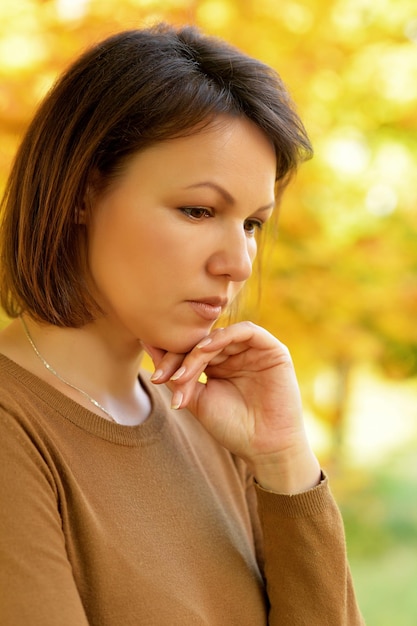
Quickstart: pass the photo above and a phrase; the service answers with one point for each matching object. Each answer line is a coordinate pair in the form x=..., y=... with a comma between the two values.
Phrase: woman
x=130, y=224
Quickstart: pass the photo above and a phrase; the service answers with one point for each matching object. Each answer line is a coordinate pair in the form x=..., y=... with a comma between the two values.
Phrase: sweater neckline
x=142, y=434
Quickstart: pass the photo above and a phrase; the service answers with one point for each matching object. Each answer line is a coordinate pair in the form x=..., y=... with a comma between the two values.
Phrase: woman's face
x=173, y=240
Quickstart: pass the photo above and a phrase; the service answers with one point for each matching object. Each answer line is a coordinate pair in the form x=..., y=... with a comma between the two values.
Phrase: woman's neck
x=94, y=361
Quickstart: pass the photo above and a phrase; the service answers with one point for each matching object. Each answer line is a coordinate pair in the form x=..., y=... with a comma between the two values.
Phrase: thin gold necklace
x=55, y=373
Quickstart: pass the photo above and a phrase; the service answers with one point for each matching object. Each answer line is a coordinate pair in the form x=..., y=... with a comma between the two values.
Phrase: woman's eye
x=252, y=226
x=196, y=212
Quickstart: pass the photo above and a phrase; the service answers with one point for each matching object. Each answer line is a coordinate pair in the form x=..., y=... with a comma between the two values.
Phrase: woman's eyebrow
x=221, y=190
x=225, y=194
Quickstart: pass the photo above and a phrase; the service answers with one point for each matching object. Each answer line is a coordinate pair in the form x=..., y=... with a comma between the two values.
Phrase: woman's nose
x=233, y=257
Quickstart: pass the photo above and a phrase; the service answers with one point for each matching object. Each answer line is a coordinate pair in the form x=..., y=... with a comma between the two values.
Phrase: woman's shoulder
x=15, y=377
x=15, y=381
x=19, y=402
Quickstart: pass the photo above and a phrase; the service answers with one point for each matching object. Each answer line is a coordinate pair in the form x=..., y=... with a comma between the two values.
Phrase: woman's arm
x=305, y=563
x=251, y=404
x=36, y=582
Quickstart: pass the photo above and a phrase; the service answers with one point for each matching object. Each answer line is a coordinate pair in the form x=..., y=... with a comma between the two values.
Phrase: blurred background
x=340, y=280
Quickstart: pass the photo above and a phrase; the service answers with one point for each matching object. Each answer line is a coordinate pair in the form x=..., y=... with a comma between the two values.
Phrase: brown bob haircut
x=128, y=92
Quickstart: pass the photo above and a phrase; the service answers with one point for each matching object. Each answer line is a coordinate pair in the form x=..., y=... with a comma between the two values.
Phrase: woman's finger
x=221, y=345
x=165, y=363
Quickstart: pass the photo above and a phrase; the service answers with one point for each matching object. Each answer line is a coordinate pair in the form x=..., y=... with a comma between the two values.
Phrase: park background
x=340, y=271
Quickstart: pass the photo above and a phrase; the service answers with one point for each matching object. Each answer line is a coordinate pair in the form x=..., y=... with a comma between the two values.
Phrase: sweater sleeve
x=36, y=582
x=305, y=563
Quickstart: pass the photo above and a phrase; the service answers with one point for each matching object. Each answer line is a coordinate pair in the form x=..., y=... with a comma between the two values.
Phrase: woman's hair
x=128, y=92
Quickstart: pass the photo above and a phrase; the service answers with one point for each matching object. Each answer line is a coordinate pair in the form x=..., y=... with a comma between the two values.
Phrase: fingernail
x=178, y=373
x=176, y=400
x=156, y=375
x=204, y=342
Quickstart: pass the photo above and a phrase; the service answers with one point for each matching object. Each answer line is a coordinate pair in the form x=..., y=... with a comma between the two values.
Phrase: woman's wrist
x=288, y=475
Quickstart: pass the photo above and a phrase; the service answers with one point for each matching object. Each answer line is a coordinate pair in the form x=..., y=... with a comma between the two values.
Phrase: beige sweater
x=153, y=525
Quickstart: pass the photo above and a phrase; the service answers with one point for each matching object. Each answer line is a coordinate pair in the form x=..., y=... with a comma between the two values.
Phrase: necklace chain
x=63, y=380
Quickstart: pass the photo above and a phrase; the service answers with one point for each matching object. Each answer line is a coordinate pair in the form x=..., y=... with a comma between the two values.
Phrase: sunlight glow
x=71, y=9
x=394, y=163
x=215, y=13
x=21, y=51
x=398, y=74
x=347, y=152
x=381, y=200
x=410, y=30
x=298, y=18
x=382, y=416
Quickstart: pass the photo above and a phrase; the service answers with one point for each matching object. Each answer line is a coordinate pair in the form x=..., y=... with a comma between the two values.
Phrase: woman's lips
x=208, y=310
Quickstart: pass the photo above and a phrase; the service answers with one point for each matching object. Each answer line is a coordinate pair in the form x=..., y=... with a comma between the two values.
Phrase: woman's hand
x=250, y=402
